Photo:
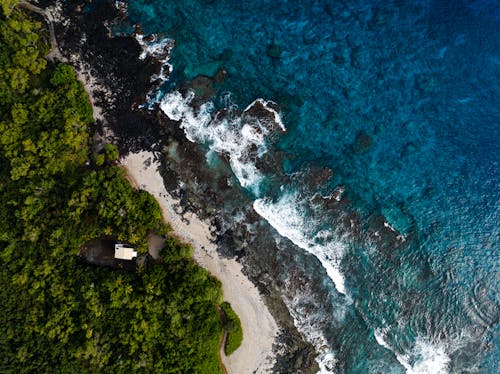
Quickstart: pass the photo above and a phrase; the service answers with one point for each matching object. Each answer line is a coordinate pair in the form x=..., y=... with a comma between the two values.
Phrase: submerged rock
x=274, y=51
x=339, y=59
x=362, y=143
x=409, y=148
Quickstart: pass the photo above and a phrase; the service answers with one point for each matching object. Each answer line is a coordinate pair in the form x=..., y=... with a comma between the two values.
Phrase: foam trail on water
x=311, y=323
x=424, y=358
x=265, y=104
x=326, y=359
x=286, y=216
x=380, y=338
x=242, y=138
x=121, y=6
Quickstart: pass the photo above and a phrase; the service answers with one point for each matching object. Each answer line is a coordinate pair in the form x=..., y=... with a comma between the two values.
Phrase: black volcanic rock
x=115, y=64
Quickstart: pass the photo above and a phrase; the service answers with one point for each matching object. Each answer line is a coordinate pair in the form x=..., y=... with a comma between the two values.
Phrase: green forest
x=57, y=312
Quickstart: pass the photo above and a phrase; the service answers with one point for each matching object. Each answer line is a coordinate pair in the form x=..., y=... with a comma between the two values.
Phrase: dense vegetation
x=234, y=330
x=58, y=313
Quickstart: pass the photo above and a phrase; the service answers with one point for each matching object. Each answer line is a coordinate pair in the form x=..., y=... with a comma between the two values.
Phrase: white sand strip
x=259, y=327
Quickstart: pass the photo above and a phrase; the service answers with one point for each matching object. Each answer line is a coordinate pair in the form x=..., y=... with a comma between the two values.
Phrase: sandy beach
x=260, y=330
x=259, y=327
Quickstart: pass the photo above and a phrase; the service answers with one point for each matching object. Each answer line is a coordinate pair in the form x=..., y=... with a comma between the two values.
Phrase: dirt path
x=54, y=53
x=222, y=344
x=223, y=339
x=89, y=82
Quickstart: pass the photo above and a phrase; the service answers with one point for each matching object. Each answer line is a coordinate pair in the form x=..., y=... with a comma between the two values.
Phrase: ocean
x=366, y=136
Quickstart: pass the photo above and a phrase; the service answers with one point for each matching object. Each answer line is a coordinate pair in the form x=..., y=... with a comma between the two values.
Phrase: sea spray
x=340, y=70
x=237, y=137
x=291, y=216
x=424, y=357
x=158, y=48
x=312, y=328
x=290, y=220
x=241, y=137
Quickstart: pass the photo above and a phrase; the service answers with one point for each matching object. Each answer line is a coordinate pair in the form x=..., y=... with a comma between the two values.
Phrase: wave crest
x=425, y=357
x=240, y=137
x=288, y=216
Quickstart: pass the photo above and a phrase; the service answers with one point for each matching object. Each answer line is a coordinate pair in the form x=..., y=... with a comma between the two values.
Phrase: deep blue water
x=401, y=100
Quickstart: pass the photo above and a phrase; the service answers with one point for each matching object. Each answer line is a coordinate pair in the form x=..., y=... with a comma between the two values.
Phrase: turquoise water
x=400, y=100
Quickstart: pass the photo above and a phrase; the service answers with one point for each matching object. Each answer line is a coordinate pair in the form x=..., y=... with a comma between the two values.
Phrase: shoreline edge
x=259, y=327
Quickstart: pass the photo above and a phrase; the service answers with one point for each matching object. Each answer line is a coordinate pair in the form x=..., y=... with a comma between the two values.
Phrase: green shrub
x=99, y=159
x=63, y=75
x=58, y=313
x=234, y=329
x=111, y=151
x=7, y=6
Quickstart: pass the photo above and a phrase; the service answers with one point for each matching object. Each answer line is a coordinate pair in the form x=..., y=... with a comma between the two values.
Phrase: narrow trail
x=222, y=344
x=54, y=53
x=223, y=339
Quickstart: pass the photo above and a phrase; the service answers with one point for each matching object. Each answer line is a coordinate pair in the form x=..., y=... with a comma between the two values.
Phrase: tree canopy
x=57, y=312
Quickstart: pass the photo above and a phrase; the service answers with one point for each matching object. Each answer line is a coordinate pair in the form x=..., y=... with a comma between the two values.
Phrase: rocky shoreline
x=122, y=82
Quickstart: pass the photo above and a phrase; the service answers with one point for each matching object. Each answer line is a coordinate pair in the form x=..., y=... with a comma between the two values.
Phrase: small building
x=124, y=253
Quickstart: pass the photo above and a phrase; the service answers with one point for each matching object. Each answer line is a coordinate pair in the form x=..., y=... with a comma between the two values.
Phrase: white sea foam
x=326, y=363
x=159, y=48
x=425, y=358
x=266, y=104
x=242, y=138
x=310, y=323
x=121, y=6
x=287, y=217
x=326, y=358
x=380, y=335
x=290, y=216
x=155, y=47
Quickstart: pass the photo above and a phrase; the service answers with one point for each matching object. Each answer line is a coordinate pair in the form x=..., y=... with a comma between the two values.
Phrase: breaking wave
x=425, y=357
x=158, y=48
x=288, y=216
x=242, y=138
x=310, y=326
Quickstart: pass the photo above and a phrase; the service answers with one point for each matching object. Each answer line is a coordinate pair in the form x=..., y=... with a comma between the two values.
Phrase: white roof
x=124, y=253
